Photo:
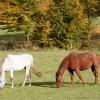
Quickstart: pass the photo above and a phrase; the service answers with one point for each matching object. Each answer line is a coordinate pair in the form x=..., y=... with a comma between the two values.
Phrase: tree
x=98, y=7
x=58, y=23
x=16, y=15
x=49, y=23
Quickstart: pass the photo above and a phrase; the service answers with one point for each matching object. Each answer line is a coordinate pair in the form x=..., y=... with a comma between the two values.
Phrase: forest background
x=68, y=24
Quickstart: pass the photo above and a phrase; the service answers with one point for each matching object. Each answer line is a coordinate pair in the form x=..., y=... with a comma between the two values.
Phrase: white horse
x=16, y=63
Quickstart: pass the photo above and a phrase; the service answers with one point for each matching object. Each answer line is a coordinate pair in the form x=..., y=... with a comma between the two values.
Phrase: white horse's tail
x=34, y=68
x=36, y=72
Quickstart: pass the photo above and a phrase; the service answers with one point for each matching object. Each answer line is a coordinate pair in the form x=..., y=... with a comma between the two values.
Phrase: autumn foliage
x=13, y=14
x=51, y=23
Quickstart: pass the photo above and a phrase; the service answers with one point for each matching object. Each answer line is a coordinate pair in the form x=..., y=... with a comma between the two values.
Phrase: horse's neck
x=61, y=70
x=63, y=66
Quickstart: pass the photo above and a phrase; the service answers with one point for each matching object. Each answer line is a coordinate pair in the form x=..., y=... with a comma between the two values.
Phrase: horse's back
x=82, y=61
x=19, y=56
x=18, y=62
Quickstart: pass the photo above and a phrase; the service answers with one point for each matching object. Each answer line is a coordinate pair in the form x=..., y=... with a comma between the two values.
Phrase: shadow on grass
x=53, y=84
x=45, y=84
x=9, y=84
x=49, y=84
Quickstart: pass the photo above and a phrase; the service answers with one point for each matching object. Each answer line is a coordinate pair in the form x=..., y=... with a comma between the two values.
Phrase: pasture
x=44, y=88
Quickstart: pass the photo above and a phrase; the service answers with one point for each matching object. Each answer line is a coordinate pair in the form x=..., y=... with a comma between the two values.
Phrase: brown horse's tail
x=38, y=74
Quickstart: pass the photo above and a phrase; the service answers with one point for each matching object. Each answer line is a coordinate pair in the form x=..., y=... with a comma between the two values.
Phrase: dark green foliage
x=98, y=7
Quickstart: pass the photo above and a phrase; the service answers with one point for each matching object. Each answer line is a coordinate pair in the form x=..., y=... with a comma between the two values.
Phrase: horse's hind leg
x=71, y=75
x=79, y=75
x=96, y=75
x=27, y=76
x=12, y=82
x=93, y=69
x=95, y=72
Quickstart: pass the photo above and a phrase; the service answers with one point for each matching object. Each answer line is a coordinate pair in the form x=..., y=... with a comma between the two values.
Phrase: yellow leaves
x=11, y=11
x=44, y=6
x=48, y=26
x=26, y=18
x=6, y=8
x=77, y=10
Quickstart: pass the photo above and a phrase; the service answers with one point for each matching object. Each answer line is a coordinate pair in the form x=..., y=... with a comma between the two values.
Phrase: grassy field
x=44, y=88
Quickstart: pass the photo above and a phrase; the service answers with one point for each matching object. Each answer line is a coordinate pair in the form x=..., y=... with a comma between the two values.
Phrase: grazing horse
x=78, y=62
x=16, y=63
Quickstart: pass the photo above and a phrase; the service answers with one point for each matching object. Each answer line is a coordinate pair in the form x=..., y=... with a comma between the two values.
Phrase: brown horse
x=78, y=62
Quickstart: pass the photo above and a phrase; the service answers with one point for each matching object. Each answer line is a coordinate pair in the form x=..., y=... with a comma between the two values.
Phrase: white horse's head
x=2, y=82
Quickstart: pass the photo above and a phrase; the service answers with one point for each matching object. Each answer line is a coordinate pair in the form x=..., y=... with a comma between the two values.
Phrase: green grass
x=44, y=88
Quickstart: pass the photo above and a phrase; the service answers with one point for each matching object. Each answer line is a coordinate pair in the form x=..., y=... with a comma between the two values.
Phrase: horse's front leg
x=71, y=76
x=12, y=82
x=80, y=77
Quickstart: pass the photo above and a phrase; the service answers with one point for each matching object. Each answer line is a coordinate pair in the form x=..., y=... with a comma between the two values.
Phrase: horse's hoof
x=96, y=82
x=22, y=86
x=85, y=84
x=71, y=85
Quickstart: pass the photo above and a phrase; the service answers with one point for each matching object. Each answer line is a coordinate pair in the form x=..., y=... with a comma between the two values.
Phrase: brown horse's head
x=59, y=80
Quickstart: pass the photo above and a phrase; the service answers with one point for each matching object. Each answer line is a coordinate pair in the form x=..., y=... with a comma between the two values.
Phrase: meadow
x=47, y=61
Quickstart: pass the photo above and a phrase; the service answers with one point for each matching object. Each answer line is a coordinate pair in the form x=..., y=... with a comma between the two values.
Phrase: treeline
x=51, y=23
